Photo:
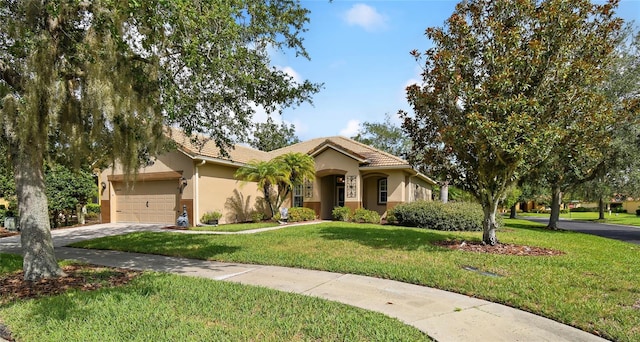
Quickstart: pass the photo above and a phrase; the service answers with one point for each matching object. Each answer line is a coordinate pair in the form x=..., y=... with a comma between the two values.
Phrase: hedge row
x=454, y=216
x=298, y=214
x=360, y=215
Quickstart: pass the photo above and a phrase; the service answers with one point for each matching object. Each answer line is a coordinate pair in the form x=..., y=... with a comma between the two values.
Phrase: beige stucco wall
x=370, y=200
x=172, y=161
x=219, y=191
x=418, y=190
x=332, y=162
x=396, y=186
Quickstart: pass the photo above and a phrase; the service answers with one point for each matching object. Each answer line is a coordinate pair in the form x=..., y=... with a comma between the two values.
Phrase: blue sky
x=360, y=51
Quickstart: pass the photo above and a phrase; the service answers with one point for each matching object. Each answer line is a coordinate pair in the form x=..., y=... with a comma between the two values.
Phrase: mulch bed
x=501, y=248
x=5, y=233
x=13, y=287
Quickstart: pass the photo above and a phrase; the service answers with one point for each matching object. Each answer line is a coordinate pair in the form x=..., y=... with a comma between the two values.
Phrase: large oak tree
x=607, y=157
x=109, y=75
x=501, y=84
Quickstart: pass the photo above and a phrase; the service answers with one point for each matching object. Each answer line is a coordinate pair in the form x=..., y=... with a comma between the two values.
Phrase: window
x=382, y=191
x=297, y=195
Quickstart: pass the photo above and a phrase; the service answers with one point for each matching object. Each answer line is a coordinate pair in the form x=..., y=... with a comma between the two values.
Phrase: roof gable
x=201, y=147
x=364, y=153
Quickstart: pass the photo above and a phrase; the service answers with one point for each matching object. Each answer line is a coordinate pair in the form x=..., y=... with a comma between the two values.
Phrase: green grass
x=620, y=218
x=10, y=263
x=594, y=286
x=163, y=307
x=235, y=227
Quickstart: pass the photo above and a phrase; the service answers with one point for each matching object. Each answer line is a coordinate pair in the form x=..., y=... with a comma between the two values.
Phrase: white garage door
x=147, y=202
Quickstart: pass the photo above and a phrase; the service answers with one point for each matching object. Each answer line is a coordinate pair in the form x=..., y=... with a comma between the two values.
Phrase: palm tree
x=266, y=174
x=277, y=177
x=300, y=167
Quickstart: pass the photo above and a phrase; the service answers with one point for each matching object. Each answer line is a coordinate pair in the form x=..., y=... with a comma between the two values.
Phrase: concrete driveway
x=612, y=231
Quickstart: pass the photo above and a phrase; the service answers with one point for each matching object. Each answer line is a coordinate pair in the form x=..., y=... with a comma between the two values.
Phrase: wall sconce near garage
x=183, y=184
x=103, y=185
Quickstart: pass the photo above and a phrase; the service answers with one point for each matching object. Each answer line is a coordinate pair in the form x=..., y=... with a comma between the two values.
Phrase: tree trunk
x=489, y=223
x=444, y=192
x=555, y=207
x=513, y=213
x=601, y=208
x=37, y=244
x=82, y=213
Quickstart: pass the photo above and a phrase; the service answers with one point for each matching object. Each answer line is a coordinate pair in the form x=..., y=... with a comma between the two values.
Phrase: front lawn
x=235, y=227
x=164, y=307
x=593, y=286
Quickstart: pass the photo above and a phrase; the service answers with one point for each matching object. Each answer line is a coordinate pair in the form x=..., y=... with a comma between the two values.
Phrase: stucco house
x=198, y=177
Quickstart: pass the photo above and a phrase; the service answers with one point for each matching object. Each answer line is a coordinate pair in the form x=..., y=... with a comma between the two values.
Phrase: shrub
x=341, y=214
x=297, y=214
x=584, y=209
x=257, y=216
x=93, y=208
x=211, y=216
x=366, y=216
x=455, y=216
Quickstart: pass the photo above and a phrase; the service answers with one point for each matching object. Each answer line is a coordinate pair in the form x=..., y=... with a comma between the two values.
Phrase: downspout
x=196, y=205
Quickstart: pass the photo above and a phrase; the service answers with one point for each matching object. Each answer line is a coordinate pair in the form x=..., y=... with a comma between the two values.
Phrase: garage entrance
x=147, y=202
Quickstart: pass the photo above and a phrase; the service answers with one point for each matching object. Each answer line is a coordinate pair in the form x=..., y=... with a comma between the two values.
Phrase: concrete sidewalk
x=444, y=316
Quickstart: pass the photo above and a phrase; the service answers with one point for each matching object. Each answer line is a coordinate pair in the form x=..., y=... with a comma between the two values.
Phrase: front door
x=340, y=196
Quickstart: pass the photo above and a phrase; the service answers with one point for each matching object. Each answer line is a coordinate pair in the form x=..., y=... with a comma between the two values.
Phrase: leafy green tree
x=268, y=136
x=502, y=82
x=277, y=177
x=67, y=189
x=109, y=76
x=385, y=136
x=512, y=197
x=609, y=153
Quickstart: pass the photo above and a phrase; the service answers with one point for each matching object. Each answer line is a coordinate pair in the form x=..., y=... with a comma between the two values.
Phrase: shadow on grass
x=390, y=238
x=534, y=226
x=178, y=245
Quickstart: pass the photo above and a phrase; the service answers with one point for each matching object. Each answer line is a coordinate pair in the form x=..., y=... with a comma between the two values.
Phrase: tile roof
x=201, y=146
x=372, y=157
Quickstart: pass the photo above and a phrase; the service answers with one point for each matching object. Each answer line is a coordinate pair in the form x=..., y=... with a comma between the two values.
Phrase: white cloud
x=260, y=114
x=291, y=72
x=352, y=128
x=366, y=17
x=411, y=81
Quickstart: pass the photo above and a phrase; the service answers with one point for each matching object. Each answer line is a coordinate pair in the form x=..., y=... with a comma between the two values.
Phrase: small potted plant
x=211, y=217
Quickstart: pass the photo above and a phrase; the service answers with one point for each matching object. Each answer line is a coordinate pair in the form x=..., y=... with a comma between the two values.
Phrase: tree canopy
x=67, y=188
x=268, y=136
x=501, y=85
x=385, y=136
x=109, y=75
x=608, y=151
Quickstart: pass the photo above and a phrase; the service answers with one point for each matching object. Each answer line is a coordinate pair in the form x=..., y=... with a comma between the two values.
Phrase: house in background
x=199, y=178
